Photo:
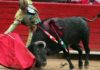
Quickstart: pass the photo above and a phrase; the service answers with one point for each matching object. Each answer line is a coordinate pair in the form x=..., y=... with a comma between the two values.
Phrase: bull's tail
x=91, y=20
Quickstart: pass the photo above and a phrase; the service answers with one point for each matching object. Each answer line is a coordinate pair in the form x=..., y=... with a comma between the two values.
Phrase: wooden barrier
x=48, y=10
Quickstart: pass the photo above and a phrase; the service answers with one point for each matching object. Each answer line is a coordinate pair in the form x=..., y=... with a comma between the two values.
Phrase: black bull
x=72, y=30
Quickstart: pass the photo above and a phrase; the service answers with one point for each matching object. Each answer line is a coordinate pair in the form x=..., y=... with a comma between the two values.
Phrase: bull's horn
x=40, y=42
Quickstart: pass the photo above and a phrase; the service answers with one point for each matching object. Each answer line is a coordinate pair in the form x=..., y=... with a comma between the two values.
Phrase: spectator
x=91, y=2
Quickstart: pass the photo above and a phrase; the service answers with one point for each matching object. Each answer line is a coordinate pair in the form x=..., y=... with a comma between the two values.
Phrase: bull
x=72, y=31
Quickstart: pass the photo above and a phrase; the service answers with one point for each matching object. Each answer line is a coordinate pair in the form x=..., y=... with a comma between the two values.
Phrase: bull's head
x=38, y=49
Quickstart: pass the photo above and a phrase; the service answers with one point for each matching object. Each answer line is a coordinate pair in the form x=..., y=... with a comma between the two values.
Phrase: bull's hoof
x=71, y=67
x=80, y=65
x=86, y=65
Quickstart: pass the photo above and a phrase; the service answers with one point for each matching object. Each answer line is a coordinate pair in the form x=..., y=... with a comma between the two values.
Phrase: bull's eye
x=39, y=50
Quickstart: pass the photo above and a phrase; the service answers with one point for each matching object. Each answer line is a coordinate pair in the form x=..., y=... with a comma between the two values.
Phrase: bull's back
x=74, y=27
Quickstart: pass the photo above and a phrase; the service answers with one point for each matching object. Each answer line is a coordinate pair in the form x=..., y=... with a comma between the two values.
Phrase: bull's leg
x=77, y=47
x=85, y=40
x=67, y=56
x=87, y=51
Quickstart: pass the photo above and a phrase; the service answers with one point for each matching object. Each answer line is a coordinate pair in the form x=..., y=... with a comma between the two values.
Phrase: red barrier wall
x=47, y=10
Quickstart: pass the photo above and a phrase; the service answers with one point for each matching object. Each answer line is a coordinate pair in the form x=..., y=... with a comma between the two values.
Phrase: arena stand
x=48, y=10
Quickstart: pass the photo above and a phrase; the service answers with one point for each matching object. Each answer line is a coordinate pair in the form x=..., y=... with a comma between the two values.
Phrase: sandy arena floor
x=54, y=64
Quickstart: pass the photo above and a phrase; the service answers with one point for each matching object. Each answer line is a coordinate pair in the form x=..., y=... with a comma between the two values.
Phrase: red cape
x=13, y=53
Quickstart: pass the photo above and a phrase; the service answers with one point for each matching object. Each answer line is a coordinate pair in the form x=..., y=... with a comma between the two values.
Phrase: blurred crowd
x=91, y=2
x=73, y=1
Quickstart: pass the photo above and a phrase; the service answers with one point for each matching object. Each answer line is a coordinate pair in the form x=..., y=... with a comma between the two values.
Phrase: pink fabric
x=13, y=52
